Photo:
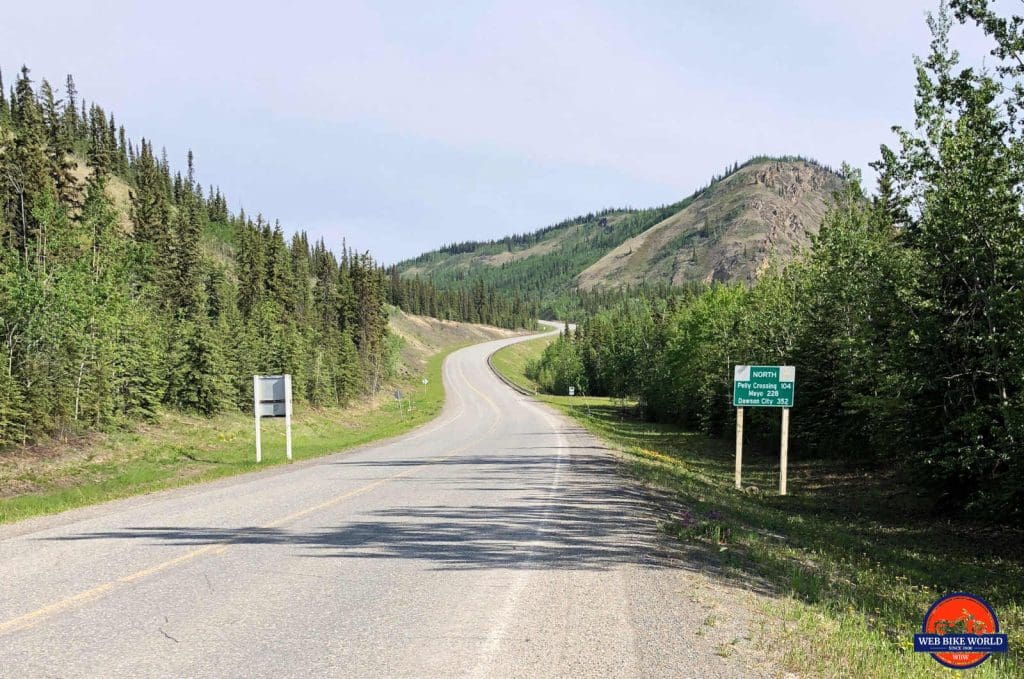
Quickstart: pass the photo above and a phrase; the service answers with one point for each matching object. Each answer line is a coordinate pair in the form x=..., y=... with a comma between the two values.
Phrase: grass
x=182, y=449
x=849, y=561
x=511, y=361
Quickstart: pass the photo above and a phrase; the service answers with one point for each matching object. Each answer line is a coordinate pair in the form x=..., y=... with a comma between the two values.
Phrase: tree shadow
x=847, y=536
x=592, y=519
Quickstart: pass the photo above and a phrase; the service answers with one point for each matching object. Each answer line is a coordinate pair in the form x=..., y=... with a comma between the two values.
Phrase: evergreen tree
x=27, y=171
x=961, y=166
x=150, y=214
x=5, y=111
x=197, y=375
x=70, y=121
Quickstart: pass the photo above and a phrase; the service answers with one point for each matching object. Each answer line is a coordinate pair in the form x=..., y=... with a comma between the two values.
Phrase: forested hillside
x=728, y=230
x=540, y=267
x=476, y=302
x=905, y=321
x=126, y=287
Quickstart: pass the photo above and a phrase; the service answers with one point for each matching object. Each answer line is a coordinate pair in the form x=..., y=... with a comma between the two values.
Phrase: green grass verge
x=850, y=560
x=511, y=361
x=181, y=449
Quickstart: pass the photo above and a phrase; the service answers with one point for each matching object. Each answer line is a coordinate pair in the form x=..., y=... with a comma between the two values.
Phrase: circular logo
x=960, y=614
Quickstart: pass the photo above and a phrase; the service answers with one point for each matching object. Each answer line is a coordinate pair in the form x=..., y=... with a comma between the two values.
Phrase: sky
x=403, y=126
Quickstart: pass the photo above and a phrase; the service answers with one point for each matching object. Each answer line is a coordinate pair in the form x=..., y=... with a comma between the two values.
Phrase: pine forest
x=126, y=287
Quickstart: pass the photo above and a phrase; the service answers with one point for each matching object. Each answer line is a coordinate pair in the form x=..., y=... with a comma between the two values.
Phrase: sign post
x=764, y=386
x=784, y=452
x=739, y=447
x=256, y=416
x=272, y=397
x=288, y=417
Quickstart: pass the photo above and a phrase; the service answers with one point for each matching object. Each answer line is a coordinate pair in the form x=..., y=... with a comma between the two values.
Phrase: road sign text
x=763, y=386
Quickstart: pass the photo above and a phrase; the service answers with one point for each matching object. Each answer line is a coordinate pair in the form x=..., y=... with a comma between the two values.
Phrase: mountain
x=727, y=231
x=730, y=232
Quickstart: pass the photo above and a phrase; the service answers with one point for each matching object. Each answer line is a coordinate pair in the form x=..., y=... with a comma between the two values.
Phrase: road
x=498, y=540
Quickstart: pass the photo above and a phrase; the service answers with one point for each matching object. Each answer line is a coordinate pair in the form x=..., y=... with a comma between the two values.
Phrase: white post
x=256, y=414
x=739, y=446
x=784, y=456
x=288, y=415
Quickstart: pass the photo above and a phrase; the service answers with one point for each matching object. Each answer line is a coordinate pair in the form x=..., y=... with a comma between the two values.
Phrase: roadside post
x=739, y=447
x=764, y=386
x=272, y=397
x=408, y=401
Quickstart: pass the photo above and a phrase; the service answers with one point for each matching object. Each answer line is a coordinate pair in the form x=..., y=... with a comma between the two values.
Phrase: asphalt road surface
x=498, y=540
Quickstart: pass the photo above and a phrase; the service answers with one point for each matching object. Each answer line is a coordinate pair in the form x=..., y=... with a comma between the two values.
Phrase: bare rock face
x=762, y=213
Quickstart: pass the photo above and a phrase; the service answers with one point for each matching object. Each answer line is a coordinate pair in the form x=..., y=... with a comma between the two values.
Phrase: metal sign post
x=272, y=397
x=764, y=386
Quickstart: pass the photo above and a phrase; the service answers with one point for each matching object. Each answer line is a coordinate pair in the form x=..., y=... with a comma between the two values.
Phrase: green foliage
x=477, y=302
x=187, y=448
x=905, y=319
x=961, y=170
x=545, y=278
x=102, y=325
x=560, y=367
x=854, y=554
x=197, y=375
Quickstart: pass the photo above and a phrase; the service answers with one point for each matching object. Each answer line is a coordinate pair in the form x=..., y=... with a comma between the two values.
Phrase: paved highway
x=498, y=540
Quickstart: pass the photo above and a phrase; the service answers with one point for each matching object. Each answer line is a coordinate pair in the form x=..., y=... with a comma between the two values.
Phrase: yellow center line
x=28, y=619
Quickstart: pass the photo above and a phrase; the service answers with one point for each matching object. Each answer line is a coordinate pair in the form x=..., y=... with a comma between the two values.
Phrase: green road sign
x=763, y=386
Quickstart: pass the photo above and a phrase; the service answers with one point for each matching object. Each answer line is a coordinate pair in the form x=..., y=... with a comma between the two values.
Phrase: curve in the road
x=497, y=540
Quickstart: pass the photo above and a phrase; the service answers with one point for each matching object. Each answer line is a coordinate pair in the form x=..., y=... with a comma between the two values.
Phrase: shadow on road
x=593, y=519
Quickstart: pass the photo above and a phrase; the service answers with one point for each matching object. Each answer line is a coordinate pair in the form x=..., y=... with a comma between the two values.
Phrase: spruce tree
x=184, y=280
x=150, y=214
x=58, y=148
x=70, y=117
x=28, y=174
x=102, y=322
x=197, y=369
x=12, y=412
x=5, y=111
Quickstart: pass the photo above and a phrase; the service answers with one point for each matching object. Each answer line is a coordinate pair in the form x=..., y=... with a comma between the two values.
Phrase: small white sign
x=272, y=397
x=572, y=391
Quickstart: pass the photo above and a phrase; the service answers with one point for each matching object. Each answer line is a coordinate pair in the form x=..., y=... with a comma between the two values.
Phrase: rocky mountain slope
x=730, y=230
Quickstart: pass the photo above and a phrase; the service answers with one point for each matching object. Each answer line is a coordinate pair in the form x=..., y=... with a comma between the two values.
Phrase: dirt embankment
x=424, y=336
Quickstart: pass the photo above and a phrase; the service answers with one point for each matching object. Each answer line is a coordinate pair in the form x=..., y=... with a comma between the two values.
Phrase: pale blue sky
x=405, y=125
